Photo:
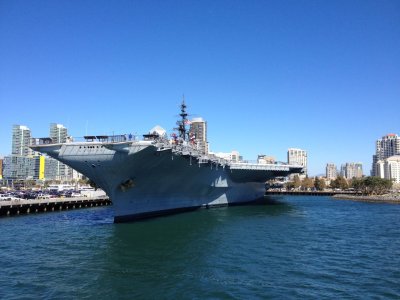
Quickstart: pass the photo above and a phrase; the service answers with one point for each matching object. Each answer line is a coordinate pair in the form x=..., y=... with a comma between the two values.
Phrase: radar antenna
x=182, y=123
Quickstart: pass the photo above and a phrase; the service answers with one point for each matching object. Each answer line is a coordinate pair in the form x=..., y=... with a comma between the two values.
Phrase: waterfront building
x=297, y=156
x=331, y=171
x=265, y=159
x=38, y=167
x=1, y=168
x=75, y=175
x=51, y=168
x=18, y=164
x=24, y=163
x=198, y=130
x=389, y=168
x=17, y=167
x=59, y=134
x=21, y=139
x=351, y=170
x=385, y=147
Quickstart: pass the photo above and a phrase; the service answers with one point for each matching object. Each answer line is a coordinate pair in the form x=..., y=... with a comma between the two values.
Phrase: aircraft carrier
x=162, y=174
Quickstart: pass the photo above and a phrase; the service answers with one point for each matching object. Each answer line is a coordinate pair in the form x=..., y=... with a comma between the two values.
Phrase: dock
x=23, y=207
x=311, y=193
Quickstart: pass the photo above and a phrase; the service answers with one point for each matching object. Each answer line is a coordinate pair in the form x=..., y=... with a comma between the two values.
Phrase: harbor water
x=295, y=247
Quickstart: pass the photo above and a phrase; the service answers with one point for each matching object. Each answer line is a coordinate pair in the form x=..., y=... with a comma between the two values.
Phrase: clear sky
x=323, y=76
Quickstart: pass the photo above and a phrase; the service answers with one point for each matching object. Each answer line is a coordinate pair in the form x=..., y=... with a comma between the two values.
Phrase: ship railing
x=185, y=149
x=87, y=139
x=257, y=162
x=256, y=166
x=210, y=158
x=189, y=150
x=109, y=138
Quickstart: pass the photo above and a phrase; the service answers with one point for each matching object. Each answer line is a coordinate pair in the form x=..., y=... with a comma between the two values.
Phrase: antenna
x=182, y=123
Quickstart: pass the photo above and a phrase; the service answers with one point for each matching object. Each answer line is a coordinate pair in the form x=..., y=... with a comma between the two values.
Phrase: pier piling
x=22, y=207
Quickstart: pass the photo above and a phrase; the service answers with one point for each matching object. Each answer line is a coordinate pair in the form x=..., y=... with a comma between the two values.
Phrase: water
x=300, y=247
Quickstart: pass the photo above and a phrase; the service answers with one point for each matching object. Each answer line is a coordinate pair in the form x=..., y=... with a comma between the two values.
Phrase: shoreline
x=394, y=199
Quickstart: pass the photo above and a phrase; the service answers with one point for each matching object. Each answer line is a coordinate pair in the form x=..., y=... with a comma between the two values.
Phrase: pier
x=23, y=207
x=311, y=193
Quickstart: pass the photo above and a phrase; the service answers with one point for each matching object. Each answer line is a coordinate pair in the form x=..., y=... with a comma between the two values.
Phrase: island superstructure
x=160, y=175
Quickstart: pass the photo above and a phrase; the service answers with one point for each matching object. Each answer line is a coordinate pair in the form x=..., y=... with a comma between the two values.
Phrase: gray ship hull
x=143, y=180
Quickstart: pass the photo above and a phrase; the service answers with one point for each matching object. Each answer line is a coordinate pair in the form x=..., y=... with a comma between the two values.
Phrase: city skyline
x=24, y=163
x=265, y=76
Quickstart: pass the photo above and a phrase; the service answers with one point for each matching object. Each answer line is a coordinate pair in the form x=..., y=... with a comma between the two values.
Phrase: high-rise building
x=198, y=131
x=389, y=168
x=331, y=171
x=17, y=167
x=351, y=170
x=24, y=163
x=36, y=167
x=59, y=134
x=21, y=138
x=297, y=156
x=387, y=146
x=51, y=169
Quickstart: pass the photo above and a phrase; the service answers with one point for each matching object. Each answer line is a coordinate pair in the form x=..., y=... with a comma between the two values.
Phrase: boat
x=159, y=175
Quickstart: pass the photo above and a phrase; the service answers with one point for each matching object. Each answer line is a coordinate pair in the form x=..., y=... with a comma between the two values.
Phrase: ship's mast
x=182, y=123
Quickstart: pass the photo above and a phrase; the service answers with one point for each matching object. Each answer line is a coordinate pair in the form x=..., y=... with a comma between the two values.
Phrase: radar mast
x=182, y=123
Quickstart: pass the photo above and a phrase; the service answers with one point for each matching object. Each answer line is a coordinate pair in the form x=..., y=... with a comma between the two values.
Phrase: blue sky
x=323, y=76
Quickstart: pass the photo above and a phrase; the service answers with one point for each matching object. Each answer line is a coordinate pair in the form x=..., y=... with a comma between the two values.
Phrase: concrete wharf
x=311, y=193
x=22, y=206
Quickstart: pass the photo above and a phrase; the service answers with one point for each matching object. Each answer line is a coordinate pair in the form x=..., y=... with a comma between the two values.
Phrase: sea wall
x=389, y=198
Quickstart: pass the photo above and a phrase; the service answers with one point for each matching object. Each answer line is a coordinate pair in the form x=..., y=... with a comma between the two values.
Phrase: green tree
x=372, y=185
x=339, y=183
x=319, y=183
x=307, y=183
x=296, y=181
x=322, y=183
x=358, y=184
x=289, y=185
x=377, y=185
